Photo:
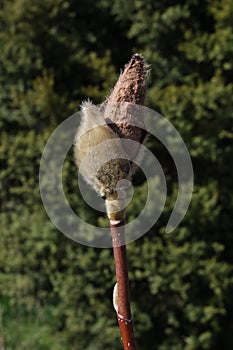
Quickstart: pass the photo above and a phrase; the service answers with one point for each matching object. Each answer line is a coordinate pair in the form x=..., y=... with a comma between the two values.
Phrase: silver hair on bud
x=92, y=148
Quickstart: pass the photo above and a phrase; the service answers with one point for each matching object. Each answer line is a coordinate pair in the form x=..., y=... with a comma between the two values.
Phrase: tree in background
x=53, y=55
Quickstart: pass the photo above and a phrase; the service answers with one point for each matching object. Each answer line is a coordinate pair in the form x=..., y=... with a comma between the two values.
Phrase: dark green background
x=55, y=294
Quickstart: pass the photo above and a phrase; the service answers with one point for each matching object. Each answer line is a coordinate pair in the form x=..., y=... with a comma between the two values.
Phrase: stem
x=123, y=314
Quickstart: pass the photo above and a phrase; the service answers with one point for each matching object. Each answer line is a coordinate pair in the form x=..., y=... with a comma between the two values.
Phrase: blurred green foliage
x=55, y=294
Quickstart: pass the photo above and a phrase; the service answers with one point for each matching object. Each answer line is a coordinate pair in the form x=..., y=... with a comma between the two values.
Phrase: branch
x=123, y=309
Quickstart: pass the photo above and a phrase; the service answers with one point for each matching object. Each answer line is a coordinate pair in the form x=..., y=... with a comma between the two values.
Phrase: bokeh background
x=57, y=294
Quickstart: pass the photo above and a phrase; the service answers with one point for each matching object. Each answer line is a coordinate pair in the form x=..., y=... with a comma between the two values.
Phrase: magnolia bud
x=101, y=155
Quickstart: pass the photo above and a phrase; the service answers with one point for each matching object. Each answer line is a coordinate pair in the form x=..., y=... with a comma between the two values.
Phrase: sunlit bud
x=102, y=166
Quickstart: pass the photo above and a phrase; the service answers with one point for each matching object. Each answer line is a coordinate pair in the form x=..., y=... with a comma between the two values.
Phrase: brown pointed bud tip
x=122, y=108
x=131, y=85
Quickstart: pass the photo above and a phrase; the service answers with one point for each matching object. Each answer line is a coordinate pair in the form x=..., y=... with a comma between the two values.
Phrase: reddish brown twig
x=124, y=316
